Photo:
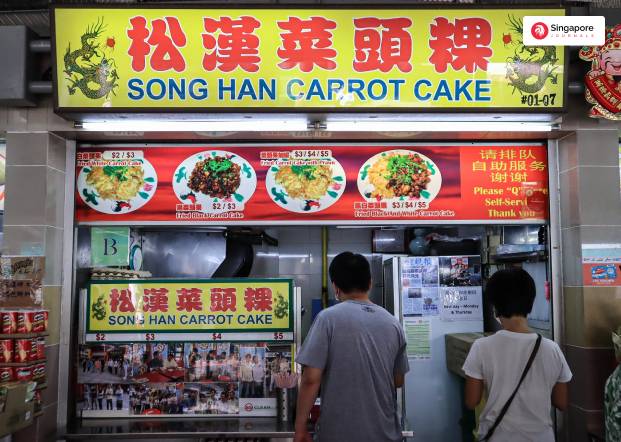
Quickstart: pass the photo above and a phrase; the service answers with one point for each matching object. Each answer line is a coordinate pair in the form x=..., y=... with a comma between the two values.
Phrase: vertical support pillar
x=33, y=225
x=590, y=214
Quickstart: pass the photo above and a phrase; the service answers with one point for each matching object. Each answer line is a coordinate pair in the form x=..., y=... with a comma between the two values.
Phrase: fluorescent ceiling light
x=301, y=124
x=436, y=126
x=355, y=227
x=249, y=125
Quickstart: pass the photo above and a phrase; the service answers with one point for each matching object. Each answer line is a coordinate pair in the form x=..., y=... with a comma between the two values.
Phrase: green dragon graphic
x=99, y=308
x=530, y=67
x=88, y=69
x=282, y=307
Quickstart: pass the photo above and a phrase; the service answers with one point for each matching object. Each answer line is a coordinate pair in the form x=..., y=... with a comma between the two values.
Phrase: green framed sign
x=192, y=310
x=109, y=246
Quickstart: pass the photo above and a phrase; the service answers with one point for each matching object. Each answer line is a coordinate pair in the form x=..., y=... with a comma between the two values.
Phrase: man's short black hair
x=512, y=292
x=350, y=272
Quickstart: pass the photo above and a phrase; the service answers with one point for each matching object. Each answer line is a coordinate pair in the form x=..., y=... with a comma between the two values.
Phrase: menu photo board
x=124, y=59
x=251, y=310
x=302, y=184
x=181, y=379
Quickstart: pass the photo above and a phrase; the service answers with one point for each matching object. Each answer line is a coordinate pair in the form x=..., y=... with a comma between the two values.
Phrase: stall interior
x=209, y=378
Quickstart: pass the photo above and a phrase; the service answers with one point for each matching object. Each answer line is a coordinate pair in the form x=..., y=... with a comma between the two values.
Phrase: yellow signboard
x=207, y=310
x=122, y=59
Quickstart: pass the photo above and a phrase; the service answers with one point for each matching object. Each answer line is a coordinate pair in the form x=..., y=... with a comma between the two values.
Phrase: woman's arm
x=473, y=392
x=560, y=396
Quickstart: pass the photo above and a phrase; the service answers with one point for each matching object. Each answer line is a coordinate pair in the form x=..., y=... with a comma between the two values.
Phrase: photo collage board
x=220, y=378
x=447, y=287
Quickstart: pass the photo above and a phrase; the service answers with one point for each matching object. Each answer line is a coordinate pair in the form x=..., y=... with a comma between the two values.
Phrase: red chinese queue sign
x=329, y=184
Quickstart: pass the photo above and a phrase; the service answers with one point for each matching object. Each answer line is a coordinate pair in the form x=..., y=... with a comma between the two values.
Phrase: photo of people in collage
x=176, y=378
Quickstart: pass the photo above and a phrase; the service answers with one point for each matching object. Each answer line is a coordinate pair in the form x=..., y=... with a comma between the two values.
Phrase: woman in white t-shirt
x=496, y=363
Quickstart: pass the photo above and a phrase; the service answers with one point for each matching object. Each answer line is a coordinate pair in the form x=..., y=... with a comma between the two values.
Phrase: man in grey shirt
x=355, y=351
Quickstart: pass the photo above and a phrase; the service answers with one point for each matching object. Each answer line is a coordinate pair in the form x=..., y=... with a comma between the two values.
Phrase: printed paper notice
x=601, y=265
x=460, y=288
x=419, y=278
x=461, y=304
x=418, y=338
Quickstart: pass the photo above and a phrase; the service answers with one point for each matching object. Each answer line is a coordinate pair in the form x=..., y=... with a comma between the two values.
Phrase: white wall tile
x=26, y=149
x=17, y=119
x=293, y=235
x=53, y=256
x=55, y=198
x=56, y=152
x=314, y=251
x=37, y=118
x=3, y=118
x=25, y=195
x=339, y=236
x=294, y=258
x=314, y=235
x=355, y=247
x=265, y=263
x=24, y=240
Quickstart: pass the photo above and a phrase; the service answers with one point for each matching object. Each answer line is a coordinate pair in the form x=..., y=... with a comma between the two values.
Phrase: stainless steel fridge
x=432, y=296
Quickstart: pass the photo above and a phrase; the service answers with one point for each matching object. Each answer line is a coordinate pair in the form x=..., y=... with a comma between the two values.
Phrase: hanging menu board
x=328, y=184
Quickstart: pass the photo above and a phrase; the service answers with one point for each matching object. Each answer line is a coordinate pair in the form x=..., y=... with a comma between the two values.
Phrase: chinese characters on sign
x=382, y=44
x=207, y=310
x=234, y=47
x=508, y=182
x=462, y=45
x=166, y=48
x=300, y=58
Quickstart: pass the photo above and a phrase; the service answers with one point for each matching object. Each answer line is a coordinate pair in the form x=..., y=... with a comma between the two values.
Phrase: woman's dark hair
x=350, y=272
x=511, y=292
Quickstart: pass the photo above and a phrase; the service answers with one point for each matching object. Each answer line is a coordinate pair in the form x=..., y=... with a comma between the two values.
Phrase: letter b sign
x=109, y=246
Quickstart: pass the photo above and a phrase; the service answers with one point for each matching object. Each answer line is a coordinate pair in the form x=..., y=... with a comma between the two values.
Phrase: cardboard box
x=20, y=293
x=17, y=413
x=457, y=349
